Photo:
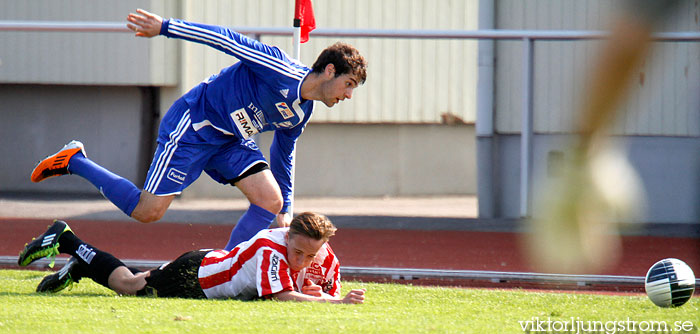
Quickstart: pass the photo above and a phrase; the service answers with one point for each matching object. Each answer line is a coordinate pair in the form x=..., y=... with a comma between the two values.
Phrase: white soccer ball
x=670, y=283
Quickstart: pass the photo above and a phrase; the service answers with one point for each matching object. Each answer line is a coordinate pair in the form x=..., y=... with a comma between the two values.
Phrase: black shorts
x=257, y=168
x=178, y=278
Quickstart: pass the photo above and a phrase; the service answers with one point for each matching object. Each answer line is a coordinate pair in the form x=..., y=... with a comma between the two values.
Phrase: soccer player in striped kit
x=289, y=263
x=210, y=128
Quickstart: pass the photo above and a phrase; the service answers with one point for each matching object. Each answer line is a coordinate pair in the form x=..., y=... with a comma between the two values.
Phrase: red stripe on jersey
x=265, y=269
x=294, y=278
x=211, y=260
x=328, y=262
x=220, y=277
x=225, y=276
x=260, y=243
x=214, y=280
x=329, y=249
x=282, y=275
x=287, y=283
x=335, y=269
x=335, y=291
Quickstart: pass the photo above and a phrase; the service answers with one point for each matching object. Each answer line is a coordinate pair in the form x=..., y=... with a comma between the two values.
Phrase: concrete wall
x=374, y=160
x=332, y=159
x=37, y=120
x=669, y=168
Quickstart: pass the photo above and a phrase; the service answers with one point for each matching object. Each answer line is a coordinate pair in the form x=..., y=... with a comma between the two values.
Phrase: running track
x=461, y=250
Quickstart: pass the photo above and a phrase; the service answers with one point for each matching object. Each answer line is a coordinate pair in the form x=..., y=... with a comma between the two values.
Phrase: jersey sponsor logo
x=253, y=108
x=251, y=144
x=86, y=253
x=315, y=269
x=284, y=110
x=259, y=116
x=284, y=92
x=287, y=124
x=327, y=286
x=176, y=176
x=274, y=268
x=260, y=119
x=243, y=123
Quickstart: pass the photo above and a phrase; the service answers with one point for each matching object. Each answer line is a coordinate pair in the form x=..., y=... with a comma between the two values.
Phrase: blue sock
x=120, y=191
x=253, y=221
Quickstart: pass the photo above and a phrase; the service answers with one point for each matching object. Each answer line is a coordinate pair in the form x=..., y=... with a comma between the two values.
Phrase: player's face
x=338, y=89
x=301, y=251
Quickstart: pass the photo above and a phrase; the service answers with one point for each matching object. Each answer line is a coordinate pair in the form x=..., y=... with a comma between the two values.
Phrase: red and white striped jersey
x=324, y=271
x=259, y=268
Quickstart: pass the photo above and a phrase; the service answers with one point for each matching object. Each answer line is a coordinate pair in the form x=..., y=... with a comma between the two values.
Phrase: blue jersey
x=261, y=92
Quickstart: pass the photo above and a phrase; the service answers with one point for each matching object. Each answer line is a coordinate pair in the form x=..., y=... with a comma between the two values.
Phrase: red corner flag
x=304, y=18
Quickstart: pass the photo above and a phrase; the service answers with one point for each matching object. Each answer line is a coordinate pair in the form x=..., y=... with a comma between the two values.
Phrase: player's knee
x=272, y=202
x=153, y=216
x=148, y=214
x=151, y=207
x=274, y=205
x=149, y=218
x=123, y=282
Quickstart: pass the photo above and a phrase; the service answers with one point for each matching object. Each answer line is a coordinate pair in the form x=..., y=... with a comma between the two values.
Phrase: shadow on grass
x=54, y=295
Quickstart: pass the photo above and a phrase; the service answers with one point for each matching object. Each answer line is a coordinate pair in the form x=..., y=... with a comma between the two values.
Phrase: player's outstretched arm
x=353, y=297
x=144, y=24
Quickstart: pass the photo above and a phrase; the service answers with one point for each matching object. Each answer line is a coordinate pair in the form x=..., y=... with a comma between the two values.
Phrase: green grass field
x=390, y=308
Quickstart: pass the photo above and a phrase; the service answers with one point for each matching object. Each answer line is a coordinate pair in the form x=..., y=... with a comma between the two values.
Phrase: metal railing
x=528, y=37
x=410, y=274
x=509, y=34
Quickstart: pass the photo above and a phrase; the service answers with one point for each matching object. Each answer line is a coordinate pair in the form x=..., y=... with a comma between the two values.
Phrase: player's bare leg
x=262, y=190
x=265, y=198
x=151, y=208
x=124, y=282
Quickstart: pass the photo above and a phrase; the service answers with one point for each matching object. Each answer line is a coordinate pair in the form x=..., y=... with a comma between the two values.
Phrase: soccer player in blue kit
x=210, y=128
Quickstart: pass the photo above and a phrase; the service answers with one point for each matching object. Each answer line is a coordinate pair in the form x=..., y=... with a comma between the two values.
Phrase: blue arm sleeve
x=251, y=52
x=282, y=161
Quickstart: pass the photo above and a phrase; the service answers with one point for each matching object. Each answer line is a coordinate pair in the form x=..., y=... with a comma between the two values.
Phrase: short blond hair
x=312, y=225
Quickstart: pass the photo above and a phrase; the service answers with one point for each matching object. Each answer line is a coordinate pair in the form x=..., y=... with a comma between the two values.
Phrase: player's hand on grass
x=353, y=297
x=311, y=289
x=356, y=296
x=144, y=24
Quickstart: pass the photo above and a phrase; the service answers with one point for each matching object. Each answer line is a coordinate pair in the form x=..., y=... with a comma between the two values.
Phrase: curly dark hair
x=345, y=58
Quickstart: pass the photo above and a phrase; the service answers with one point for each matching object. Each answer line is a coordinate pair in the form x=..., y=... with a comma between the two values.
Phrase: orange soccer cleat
x=57, y=164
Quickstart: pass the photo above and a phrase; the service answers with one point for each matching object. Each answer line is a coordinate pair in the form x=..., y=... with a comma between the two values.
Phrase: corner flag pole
x=297, y=29
x=304, y=22
x=303, y=15
x=297, y=44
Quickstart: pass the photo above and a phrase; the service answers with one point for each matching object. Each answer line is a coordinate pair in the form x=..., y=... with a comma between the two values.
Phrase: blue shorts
x=182, y=155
